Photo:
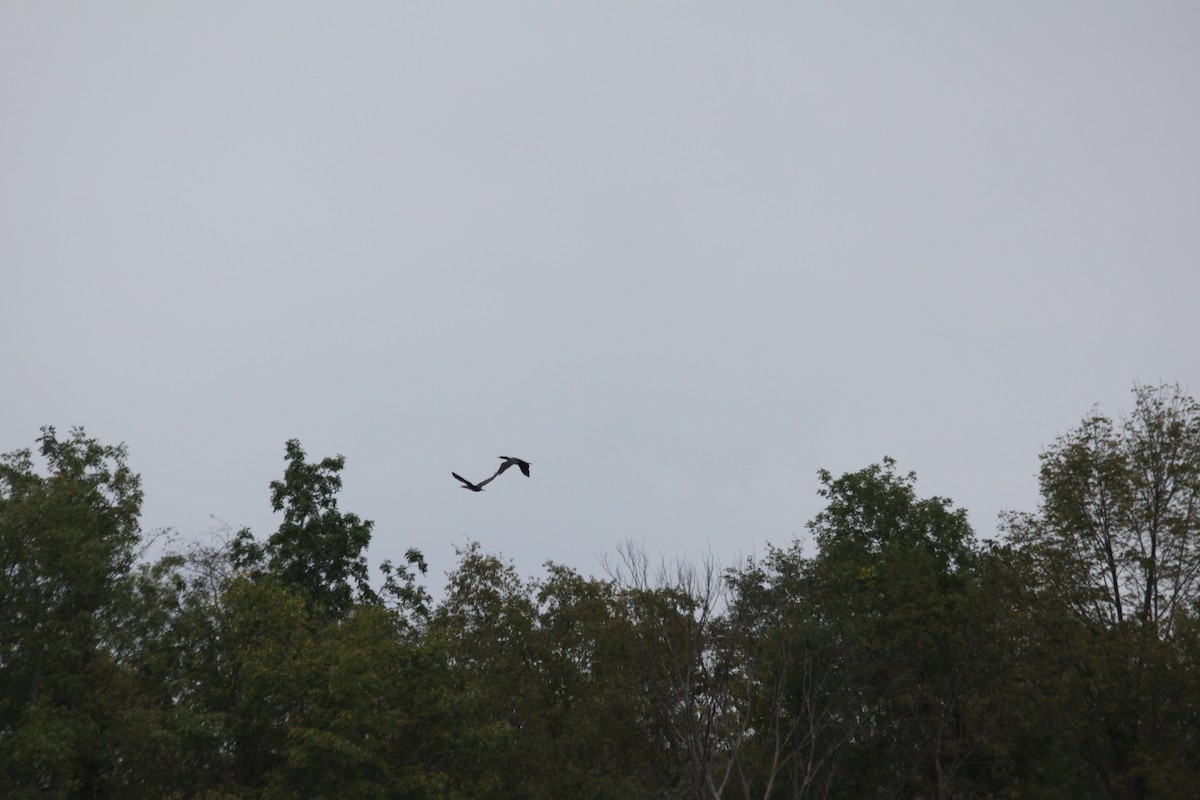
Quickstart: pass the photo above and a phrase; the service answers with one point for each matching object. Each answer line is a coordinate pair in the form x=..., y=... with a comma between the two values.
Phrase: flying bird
x=509, y=461
x=474, y=487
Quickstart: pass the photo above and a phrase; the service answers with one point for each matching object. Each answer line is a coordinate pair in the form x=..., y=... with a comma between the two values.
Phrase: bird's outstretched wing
x=486, y=481
x=466, y=482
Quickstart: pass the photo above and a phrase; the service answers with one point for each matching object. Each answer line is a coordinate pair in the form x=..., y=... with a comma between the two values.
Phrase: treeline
x=902, y=658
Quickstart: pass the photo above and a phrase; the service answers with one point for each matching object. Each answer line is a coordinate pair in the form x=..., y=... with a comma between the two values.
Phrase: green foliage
x=548, y=695
x=893, y=595
x=900, y=659
x=317, y=548
x=1119, y=532
x=67, y=546
x=1112, y=570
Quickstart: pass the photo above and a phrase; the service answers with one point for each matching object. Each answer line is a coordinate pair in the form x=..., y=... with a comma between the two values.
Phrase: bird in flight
x=474, y=487
x=509, y=461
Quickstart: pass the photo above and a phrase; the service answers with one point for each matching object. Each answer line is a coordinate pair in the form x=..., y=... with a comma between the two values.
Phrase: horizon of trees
x=903, y=658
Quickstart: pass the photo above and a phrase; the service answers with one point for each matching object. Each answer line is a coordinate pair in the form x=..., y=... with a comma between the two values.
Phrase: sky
x=679, y=256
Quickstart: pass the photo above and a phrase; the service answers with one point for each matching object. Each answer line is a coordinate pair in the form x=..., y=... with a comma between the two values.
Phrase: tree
x=1121, y=512
x=286, y=676
x=483, y=633
x=675, y=614
x=1113, y=572
x=546, y=691
x=592, y=670
x=798, y=685
x=68, y=609
x=894, y=592
x=317, y=549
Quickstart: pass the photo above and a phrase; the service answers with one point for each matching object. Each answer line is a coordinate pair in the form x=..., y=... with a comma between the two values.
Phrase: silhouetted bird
x=474, y=487
x=509, y=461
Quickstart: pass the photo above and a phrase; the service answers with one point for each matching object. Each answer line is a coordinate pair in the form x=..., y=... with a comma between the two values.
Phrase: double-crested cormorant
x=509, y=461
x=474, y=487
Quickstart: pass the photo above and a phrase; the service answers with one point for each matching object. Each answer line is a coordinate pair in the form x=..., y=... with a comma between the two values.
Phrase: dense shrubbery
x=903, y=658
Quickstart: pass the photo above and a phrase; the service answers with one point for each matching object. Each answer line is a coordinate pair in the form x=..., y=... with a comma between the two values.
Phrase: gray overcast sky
x=678, y=255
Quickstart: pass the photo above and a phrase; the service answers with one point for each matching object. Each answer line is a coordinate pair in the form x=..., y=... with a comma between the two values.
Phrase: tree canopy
x=903, y=657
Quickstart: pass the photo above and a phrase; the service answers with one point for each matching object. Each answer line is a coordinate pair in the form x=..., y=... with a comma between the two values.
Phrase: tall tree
x=592, y=672
x=317, y=549
x=1121, y=511
x=67, y=597
x=1113, y=566
x=548, y=695
x=798, y=683
x=676, y=611
x=894, y=587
